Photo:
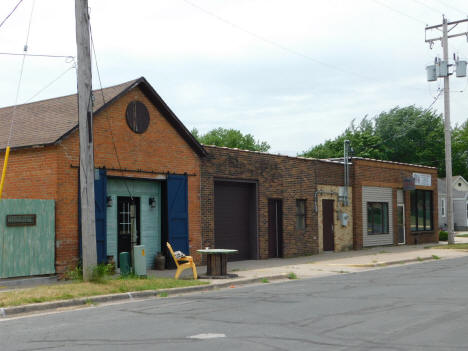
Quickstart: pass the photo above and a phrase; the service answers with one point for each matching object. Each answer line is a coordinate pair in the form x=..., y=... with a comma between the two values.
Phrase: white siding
x=377, y=194
x=459, y=213
x=400, y=197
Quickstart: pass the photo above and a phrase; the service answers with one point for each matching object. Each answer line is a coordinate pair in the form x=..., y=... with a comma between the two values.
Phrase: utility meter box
x=139, y=259
x=442, y=69
x=431, y=73
x=344, y=218
x=460, y=68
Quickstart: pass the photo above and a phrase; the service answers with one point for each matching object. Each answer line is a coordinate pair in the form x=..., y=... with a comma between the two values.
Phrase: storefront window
x=421, y=210
x=377, y=218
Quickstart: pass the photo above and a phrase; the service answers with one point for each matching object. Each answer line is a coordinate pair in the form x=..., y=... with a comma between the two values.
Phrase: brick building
x=268, y=205
x=384, y=213
x=152, y=175
x=144, y=157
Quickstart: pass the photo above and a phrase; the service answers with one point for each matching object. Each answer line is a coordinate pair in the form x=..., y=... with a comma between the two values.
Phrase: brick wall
x=46, y=173
x=280, y=177
x=391, y=175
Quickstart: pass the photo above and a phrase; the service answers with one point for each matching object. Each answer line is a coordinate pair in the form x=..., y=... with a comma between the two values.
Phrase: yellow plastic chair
x=183, y=263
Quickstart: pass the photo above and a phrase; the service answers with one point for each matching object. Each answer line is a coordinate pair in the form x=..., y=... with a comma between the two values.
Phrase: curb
x=54, y=305
x=389, y=263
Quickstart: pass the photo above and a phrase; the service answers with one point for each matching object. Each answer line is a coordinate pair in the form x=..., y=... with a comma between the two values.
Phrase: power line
x=275, y=44
x=452, y=7
x=8, y=16
x=106, y=112
x=51, y=82
x=399, y=12
x=21, y=75
x=38, y=55
x=427, y=6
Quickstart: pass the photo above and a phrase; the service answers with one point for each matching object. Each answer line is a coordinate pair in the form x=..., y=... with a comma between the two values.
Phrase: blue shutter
x=100, y=194
x=177, y=211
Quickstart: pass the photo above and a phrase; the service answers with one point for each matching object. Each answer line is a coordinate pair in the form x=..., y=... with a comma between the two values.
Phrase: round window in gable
x=137, y=116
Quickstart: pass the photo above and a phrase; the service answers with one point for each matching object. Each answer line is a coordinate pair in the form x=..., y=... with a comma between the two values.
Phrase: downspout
x=346, y=172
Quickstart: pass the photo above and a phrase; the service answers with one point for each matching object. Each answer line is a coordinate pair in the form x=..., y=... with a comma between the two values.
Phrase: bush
x=101, y=272
x=443, y=235
x=74, y=274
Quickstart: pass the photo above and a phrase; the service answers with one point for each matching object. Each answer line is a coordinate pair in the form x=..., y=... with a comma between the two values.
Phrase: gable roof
x=47, y=122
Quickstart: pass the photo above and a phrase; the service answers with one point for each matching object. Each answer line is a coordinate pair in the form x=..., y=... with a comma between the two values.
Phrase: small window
x=300, y=214
x=377, y=218
x=442, y=208
x=137, y=116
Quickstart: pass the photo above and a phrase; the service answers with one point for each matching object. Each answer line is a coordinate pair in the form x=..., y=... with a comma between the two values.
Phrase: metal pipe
x=5, y=164
x=320, y=192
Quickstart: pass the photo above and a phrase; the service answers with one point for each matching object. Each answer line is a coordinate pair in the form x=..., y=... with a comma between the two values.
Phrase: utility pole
x=441, y=69
x=85, y=121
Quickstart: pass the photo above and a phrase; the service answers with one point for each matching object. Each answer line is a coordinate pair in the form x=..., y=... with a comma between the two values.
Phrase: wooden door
x=275, y=228
x=328, y=226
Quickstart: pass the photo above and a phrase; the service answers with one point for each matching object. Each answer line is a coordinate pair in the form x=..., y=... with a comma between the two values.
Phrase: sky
x=293, y=73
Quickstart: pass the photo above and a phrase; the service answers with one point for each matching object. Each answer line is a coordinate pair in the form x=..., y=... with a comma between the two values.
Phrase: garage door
x=235, y=218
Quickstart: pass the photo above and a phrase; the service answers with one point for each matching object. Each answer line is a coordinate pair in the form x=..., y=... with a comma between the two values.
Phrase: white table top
x=217, y=251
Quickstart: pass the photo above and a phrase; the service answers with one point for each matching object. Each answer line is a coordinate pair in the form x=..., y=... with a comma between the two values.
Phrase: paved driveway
x=411, y=307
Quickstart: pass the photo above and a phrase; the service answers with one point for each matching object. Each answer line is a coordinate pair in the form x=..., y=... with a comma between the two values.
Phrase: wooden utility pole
x=447, y=126
x=85, y=120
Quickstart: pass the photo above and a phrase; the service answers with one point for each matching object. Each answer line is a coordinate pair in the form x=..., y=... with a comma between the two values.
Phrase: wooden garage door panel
x=233, y=227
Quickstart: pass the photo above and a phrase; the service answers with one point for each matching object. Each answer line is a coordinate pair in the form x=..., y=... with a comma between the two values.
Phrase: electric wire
x=8, y=16
x=68, y=57
x=427, y=6
x=453, y=7
x=21, y=75
x=106, y=112
x=399, y=12
x=51, y=83
x=275, y=44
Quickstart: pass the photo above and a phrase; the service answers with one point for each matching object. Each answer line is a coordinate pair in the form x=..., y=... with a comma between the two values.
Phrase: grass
x=163, y=294
x=78, y=289
x=463, y=246
x=292, y=275
x=265, y=280
x=462, y=235
x=435, y=257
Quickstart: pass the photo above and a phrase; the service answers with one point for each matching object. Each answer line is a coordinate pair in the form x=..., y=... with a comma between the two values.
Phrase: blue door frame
x=177, y=212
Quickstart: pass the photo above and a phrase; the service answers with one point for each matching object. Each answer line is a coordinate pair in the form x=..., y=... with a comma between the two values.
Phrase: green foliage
x=265, y=280
x=74, y=274
x=443, y=235
x=101, y=273
x=404, y=134
x=231, y=138
x=292, y=275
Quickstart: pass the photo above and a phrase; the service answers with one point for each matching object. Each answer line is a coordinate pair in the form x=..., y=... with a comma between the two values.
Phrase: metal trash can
x=124, y=260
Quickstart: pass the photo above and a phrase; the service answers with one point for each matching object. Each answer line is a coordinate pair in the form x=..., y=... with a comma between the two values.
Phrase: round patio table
x=216, y=263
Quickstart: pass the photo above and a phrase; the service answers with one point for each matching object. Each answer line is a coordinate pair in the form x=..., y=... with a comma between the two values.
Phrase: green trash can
x=124, y=260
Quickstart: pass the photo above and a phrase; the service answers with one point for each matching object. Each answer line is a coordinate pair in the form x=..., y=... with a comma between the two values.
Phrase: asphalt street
x=420, y=306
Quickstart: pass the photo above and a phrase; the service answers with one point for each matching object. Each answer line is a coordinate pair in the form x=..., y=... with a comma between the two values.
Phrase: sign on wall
x=422, y=179
x=409, y=184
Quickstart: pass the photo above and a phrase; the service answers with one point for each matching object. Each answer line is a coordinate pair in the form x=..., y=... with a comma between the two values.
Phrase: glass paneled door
x=401, y=224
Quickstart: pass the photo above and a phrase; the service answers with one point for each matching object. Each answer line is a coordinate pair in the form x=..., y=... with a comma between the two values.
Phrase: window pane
x=377, y=212
x=369, y=218
x=385, y=217
x=428, y=210
x=420, y=204
x=413, y=211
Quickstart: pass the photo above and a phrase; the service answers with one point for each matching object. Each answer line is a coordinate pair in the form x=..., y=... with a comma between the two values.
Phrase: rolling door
x=235, y=218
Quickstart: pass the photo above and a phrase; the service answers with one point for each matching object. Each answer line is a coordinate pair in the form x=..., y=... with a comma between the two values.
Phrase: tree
x=403, y=134
x=230, y=138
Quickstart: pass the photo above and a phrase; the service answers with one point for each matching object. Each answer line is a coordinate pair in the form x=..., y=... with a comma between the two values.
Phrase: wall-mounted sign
x=20, y=220
x=422, y=179
x=409, y=184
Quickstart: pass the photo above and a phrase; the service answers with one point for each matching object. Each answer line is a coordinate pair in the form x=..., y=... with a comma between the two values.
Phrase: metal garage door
x=235, y=218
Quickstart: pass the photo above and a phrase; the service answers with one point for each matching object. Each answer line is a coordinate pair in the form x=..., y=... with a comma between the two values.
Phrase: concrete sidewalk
x=328, y=263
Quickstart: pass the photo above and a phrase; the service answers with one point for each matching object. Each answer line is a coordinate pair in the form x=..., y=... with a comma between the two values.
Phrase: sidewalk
x=328, y=263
